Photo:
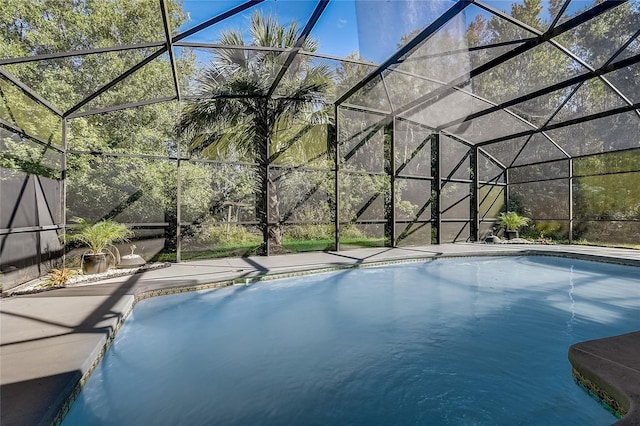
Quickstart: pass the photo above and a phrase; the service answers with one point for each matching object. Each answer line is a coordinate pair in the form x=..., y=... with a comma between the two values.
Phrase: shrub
x=221, y=235
x=309, y=232
x=551, y=230
x=59, y=277
x=351, y=231
x=548, y=229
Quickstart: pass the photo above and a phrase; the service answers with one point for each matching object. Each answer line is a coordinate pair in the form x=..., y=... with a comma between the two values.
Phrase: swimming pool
x=452, y=341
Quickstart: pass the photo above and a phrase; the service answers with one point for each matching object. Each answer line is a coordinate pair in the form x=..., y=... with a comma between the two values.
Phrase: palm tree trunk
x=269, y=199
x=275, y=227
x=262, y=209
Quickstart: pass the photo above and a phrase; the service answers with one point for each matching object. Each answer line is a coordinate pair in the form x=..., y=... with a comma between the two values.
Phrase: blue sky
x=336, y=29
x=371, y=27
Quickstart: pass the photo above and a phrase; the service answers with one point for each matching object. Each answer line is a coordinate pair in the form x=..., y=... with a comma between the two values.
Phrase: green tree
x=539, y=66
x=233, y=109
x=99, y=187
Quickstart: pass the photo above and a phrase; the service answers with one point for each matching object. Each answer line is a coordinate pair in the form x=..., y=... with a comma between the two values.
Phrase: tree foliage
x=603, y=197
x=134, y=189
x=244, y=142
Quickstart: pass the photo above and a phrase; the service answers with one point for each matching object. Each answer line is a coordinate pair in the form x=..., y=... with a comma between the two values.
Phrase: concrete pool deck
x=49, y=341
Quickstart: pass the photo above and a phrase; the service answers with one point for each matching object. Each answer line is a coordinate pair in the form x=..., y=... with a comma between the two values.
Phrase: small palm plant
x=512, y=221
x=99, y=238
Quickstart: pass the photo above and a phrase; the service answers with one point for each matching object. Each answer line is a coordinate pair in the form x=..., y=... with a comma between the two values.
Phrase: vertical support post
x=174, y=73
x=34, y=178
x=63, y=203
x=179, y=197
x=336, y=158
x=169, y=44
x=506, y=189
x=571, y=178
x=391, y=127
x=264, y=165
x=475, y=196
x=436, y=216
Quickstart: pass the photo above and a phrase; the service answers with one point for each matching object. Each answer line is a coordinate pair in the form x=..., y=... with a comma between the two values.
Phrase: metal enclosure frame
x=476, y=150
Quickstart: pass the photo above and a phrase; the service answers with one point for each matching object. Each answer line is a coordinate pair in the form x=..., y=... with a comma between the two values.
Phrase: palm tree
x=235, y=108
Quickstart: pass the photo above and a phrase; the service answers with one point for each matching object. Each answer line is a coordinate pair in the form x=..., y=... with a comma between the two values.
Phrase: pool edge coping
x=612, y=380
x=632, y=417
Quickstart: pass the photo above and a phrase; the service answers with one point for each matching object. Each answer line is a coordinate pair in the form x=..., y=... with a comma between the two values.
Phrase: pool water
x=474, y=341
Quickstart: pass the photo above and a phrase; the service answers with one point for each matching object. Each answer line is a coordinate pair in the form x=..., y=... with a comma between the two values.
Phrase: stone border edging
x=15, y=291
x=602, y=395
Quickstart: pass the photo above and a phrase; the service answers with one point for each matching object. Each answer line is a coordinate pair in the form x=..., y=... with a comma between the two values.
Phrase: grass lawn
x=603, y=244
x=297, y=246
x=300, y=246
x=214, y=253
x=291, y=246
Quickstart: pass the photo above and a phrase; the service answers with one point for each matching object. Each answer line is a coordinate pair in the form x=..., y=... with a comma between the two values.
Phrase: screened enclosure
x=229, y=128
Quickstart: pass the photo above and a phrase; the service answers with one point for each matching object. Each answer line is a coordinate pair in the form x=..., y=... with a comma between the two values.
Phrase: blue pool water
x=477, y=341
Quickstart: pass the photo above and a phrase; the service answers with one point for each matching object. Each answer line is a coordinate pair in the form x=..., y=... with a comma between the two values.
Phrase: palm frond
x=290, y=35
x=231, y=110
x=232, y=57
